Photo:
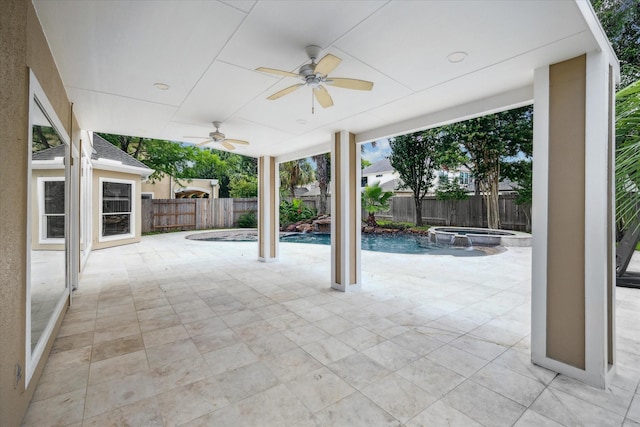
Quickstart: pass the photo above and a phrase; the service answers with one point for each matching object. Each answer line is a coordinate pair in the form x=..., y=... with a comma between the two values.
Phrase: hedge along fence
x=200, y=214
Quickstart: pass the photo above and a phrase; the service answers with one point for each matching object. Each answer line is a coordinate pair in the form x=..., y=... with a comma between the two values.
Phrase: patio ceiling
x=110, y=54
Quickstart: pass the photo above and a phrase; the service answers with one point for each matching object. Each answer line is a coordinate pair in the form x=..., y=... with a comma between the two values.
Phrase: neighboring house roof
x=104, y=156
x=103, y=149
x=380, y=166
x=390, y=185
x=49, y=153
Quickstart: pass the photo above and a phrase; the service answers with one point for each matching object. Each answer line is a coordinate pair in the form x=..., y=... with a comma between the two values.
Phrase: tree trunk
x=371, y=220
x=321, y=171
x=490, y=195
x=418, y=203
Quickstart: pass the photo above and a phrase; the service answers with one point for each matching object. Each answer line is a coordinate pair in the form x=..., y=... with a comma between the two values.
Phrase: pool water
x=391, y=243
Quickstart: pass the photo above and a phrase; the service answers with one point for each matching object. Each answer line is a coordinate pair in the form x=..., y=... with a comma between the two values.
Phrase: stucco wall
x=137, y=203
x=161, y=189
x=22, y=45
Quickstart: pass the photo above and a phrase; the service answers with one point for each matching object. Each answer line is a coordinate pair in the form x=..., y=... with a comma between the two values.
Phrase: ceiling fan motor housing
x=216, y=136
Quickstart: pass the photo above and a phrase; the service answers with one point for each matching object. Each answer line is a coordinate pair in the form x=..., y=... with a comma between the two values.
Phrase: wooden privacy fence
x=200, y=214
x=464, y=213
x=193, y=214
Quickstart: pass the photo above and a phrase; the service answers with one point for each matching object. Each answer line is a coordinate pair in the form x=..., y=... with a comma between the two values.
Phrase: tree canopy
x=416, y=156
x=236, y=174
x=295, y=173
x=621, y=21
x=488, y=142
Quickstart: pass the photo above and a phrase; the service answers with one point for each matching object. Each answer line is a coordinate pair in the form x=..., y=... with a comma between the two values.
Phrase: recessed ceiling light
x=161, y=86
x=456, y=57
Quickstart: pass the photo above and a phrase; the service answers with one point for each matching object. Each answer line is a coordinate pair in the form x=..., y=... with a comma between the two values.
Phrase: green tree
x=164, y=157
x=521, y=174
x=243, y=186
x=375, y=200
x=295, y=173
x=451, y=192
x=487, y=142
x=416, y=156
x=620, y=18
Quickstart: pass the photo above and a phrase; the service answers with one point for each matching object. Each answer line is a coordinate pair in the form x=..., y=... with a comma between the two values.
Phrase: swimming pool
x=392, y=243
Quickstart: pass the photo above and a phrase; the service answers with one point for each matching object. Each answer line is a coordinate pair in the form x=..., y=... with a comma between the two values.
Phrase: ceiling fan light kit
x=315, y=75
x=219, y=137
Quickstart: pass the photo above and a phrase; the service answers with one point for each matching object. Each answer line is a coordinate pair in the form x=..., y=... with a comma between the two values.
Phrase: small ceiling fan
x=315, y=75
x=218, y=136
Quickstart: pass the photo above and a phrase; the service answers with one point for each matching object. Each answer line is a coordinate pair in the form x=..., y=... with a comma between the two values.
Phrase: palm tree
x=295, y=173
x=375, y=199
x=627, y=172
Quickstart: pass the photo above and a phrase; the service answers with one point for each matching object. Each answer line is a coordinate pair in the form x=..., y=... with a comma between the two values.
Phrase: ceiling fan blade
x=199, y=144
x=237, y=141
x=327, y=64
x=323, y=96
x=350, y=83
x=278, y=72
x=284, y=92
x=226, y=145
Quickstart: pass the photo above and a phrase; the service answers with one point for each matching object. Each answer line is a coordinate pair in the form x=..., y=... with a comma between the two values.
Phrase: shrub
x=248, y=220
x=294, y=211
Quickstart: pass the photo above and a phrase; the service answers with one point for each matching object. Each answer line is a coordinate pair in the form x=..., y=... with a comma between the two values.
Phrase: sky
x=378, y=153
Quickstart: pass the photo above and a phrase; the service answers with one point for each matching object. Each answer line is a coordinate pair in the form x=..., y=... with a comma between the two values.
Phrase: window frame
x=132, y=207
x=42, y=215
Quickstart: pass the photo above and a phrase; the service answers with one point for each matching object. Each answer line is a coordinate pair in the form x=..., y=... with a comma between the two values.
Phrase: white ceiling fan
x=315, y=75
x=219, y=137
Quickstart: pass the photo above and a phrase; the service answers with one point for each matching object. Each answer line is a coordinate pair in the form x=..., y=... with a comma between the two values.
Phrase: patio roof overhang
x=110, y=55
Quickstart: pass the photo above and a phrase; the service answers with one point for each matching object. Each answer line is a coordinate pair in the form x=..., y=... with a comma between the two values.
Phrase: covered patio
x=170, y=70
x=173, y=331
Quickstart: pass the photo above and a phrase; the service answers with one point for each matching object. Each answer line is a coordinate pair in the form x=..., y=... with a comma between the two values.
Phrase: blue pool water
x=391, y=243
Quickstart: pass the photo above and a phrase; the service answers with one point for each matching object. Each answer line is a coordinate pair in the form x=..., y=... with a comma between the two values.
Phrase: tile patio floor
x=173, y=332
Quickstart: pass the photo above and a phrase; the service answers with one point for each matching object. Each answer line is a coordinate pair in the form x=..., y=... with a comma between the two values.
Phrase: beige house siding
x=166, y=187
x=161, y=189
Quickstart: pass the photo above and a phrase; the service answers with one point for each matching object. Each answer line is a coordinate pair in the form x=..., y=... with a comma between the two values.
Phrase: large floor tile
x=355, y=410
x=483, y=405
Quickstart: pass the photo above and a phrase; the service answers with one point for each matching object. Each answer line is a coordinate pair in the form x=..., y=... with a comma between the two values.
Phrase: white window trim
x=42, y=230
x=132, y=218
x=146, y=193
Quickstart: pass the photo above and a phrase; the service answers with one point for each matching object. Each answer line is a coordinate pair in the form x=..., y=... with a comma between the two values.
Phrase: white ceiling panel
x=102, y=112
x=223, y=90
x=275, y=34
x=488, y=31
x=110, y=53
x=124, y=47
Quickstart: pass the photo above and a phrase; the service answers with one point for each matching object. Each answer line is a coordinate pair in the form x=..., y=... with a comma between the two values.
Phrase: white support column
x=345, y=213
x=573, y=283
x=268, y=212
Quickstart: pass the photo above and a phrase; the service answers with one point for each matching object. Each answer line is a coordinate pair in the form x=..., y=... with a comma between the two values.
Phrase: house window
x=51, y=192
x=363, y=181
x=116, y=209
x=443, y=177
x=465, y=178
x=379, y=175
x=147, y=196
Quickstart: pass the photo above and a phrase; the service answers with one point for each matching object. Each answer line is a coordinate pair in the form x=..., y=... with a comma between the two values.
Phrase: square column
x=573, y=283
x=268, y=210
x=346, y=212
